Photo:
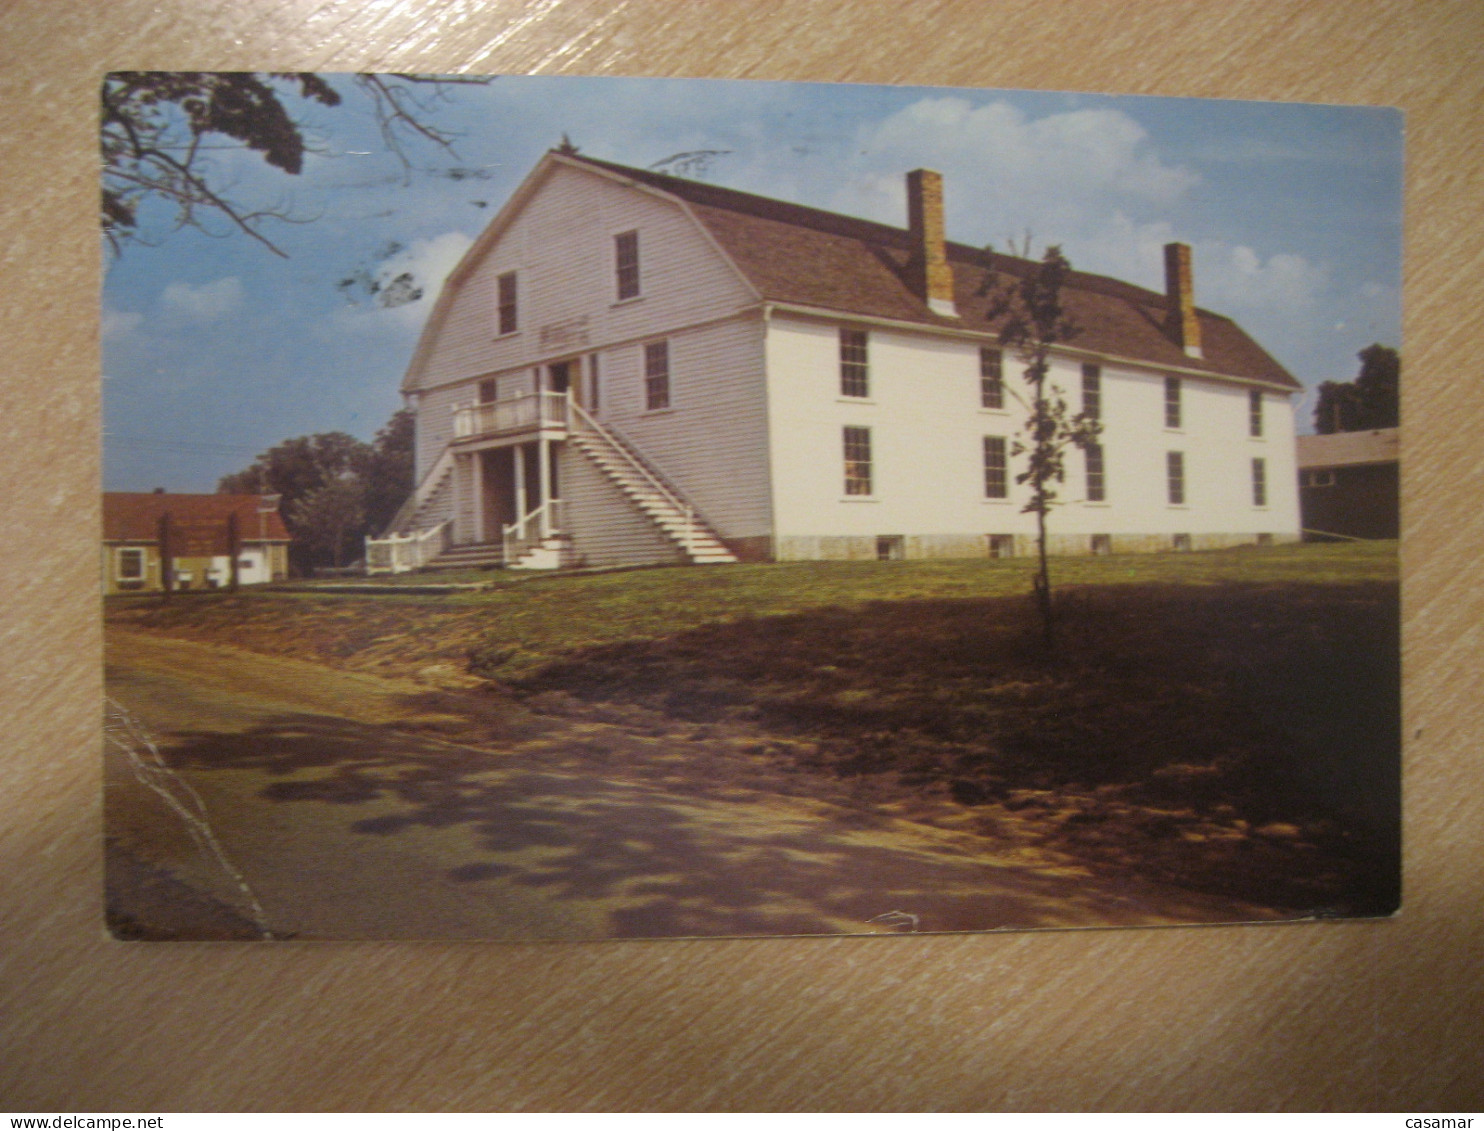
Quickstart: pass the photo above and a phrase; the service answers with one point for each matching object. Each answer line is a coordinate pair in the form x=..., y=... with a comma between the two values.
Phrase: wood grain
x=1357, y=1015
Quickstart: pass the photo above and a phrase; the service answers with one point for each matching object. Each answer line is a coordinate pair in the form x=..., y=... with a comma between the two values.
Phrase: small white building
x=629, y=368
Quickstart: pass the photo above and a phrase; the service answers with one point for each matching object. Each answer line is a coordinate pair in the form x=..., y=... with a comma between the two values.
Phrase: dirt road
x=352, y=806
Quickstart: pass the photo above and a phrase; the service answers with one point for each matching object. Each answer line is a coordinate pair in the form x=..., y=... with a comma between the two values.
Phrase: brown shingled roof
x=806, y=256
x=199, y=522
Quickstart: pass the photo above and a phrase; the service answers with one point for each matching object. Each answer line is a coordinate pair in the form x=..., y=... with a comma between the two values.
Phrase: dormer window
x=509, y=319
x=626, y=264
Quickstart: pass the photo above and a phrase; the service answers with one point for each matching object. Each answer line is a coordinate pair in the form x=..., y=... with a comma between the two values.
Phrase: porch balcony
x=512, y=420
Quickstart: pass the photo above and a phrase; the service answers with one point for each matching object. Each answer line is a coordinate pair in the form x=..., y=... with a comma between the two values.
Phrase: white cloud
x=427, y=263
x=1048, y=173
x=1239, y=279
x=119, y=324
x=208, y=302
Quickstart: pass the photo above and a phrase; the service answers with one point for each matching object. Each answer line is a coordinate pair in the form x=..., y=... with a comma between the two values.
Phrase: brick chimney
x=1180, y=320
x=928, y=272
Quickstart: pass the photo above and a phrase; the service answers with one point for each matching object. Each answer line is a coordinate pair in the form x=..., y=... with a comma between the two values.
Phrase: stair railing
x=666, y=492
x=525, y=534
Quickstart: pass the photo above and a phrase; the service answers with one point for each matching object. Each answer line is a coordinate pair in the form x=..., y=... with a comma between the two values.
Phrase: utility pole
x=234, y=547
x=163, y=533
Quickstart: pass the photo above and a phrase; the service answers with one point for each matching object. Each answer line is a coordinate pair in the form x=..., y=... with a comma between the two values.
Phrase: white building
x=629, y=367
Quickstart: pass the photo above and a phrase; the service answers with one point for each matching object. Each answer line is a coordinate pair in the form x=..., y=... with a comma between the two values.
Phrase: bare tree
x=160, y=131
x=1034, y=323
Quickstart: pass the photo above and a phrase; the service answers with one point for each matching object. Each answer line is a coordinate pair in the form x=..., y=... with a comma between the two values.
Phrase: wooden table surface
x=1385, y=1015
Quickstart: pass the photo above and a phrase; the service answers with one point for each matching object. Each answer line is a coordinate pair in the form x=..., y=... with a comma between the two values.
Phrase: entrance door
x=562, y=377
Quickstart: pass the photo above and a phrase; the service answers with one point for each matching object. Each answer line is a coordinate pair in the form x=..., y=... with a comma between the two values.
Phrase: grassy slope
x=1225, y=721
x=521, y=623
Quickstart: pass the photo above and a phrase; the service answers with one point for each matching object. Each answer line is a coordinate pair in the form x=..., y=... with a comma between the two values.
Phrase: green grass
x=1193, y=699
x=523, y=622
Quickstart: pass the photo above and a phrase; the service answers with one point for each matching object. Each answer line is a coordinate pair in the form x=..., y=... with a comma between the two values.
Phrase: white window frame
x=996, y=471
x=658, y=381
x=118, y=563
x=1095, y=453
x=1092, y=391
x=1259, y=482
x=855, y=369
x=991, y=378
x=1177, y=478
x=500, y=303
x=853, y=477
x=620, y=279
x=1174, y=404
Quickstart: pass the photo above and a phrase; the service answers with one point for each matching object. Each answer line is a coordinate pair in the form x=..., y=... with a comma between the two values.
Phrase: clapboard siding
x=606, y=528
x=712, y=441
x=436, y=408
x=560, y=245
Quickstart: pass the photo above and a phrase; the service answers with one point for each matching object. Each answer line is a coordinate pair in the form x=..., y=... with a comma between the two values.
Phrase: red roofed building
x=629, y=367
x=200, y=534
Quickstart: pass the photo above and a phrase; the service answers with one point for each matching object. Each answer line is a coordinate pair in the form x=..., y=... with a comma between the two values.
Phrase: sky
x=215, y=349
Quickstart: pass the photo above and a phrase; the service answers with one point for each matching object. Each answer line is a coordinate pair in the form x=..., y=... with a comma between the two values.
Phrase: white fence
x=402, y=553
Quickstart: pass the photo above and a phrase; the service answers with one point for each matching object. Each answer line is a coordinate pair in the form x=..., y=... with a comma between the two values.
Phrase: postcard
x=585, y=508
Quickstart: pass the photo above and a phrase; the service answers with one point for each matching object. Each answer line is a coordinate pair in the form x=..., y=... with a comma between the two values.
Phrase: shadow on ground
x=1236, y=739
x=670, y=837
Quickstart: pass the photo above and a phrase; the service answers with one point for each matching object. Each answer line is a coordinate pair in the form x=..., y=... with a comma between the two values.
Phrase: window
x=1172, y=402
x=857, y=461
x=594, y=394
x=995, y=468
x=991, y=378
x=130, y=564
x=1002, y=545
x=1092, y=392
x=626, y=264
x=1175, y=469
x=890, y=547
x=1254, y=412
x=1097, y=491
x=488, y=389
x=657, y=376
x=1259, y=483
x=855, y=380
x=507, y=299
x=1319, y=479
x=1101, y=545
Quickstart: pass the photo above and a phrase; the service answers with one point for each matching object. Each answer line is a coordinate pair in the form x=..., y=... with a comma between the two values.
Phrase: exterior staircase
x=648, y=490
x=480, y=555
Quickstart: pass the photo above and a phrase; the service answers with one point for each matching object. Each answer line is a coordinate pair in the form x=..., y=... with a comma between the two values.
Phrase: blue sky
x=215, y=349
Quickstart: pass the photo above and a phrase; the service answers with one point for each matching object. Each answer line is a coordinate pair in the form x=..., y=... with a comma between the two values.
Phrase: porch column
x=477, y=459
x=544, y=446
x=519, y=452
x=459, y=460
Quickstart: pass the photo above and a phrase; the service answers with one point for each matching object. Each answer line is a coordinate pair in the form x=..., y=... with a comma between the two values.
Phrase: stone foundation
x=919, y=547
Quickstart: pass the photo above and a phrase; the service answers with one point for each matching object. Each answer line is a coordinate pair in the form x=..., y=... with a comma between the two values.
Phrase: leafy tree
x=1034, y=323
x=314, y=477
x=332, y=517
x=388, y=470
x=1372, y=400
x=159, y=131
x=295, y=470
